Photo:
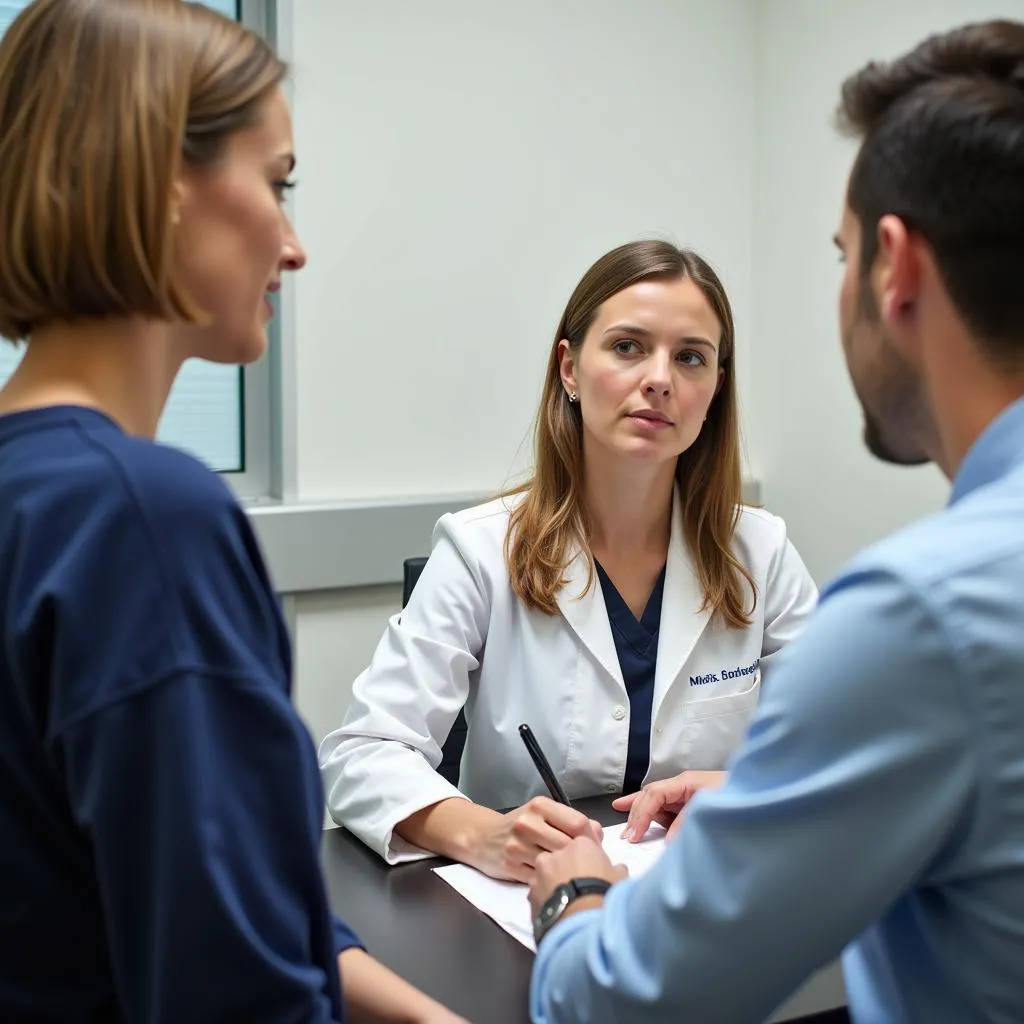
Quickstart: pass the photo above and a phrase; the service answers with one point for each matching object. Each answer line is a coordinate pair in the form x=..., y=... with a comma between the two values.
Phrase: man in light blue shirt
x=877, y=806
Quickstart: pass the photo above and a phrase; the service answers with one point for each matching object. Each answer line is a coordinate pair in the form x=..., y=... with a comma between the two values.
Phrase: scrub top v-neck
x=636, y=644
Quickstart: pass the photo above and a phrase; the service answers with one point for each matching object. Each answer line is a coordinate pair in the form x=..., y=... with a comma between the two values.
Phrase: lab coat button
x=619, y=713
x=612, y=787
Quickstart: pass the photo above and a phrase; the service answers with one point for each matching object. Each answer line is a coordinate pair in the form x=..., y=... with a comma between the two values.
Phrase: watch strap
x=589, y=886
x=562, y=898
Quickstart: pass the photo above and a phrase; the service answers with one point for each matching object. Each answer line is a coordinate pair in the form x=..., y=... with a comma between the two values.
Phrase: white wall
x=334, y=636
x=461, y=164
x=804, y=424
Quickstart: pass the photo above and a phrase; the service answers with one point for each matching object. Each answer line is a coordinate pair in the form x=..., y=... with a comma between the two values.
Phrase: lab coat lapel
x=587, y=615
x=682, y=619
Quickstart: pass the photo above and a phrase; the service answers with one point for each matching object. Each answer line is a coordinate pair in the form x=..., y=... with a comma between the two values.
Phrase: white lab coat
x=465, y=639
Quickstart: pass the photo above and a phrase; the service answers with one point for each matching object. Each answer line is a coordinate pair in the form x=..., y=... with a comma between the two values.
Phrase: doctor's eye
x=626, y=347
x=691, y=358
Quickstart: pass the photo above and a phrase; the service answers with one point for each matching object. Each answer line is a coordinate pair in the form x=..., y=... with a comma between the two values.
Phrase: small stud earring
x=573, y=397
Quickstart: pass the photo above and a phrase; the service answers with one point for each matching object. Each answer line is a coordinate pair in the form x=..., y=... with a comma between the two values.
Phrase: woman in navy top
x=160, y=806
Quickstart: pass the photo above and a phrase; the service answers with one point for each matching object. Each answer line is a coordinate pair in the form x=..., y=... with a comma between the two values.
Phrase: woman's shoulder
x=178, y=516
x=760, y=530
x=483, y=523
x=188, y=510
x=477, y=535
x=81, y=462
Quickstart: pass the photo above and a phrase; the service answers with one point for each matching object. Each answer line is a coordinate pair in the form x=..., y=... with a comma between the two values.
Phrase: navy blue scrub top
x=636, y=644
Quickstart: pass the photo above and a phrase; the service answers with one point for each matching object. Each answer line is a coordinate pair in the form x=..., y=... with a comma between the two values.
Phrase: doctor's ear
x=180, y=195
x=721, y=381
x=567, y=366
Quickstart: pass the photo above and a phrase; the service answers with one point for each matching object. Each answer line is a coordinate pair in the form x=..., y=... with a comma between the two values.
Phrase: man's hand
x=663, y=802
x=580, y=858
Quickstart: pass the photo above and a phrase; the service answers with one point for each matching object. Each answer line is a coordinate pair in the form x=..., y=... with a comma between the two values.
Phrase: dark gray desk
x=425, y=931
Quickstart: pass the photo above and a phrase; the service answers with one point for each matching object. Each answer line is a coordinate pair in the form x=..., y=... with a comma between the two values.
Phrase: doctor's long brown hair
x=551, y=521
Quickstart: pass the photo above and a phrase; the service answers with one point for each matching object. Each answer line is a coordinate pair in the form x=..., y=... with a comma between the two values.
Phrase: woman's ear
x=721, y=380
x=566, y=365
x=179, y=197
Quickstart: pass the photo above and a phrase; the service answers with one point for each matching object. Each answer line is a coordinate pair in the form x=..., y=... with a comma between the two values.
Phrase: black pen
x=537, y=755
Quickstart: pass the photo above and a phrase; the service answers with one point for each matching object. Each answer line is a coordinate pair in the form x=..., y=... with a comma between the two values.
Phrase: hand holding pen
x=509, y=846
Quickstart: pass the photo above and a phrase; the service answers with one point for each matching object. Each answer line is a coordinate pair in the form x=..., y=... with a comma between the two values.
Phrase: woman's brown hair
x=101, y=101
x=550, y=522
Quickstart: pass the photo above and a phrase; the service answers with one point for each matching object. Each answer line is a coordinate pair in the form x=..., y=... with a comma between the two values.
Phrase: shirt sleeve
x=856, y=773
x=205, y=842
x=790, y=598
x=344, y=937
x=380, y=766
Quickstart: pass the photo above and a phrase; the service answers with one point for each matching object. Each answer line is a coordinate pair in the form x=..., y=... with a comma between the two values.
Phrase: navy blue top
x=160, y=803
x=636, y=643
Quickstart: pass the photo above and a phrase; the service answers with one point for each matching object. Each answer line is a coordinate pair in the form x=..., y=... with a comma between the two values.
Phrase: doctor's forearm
x=452, y=828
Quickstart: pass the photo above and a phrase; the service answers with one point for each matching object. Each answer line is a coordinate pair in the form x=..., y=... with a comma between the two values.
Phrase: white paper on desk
x=506, y=903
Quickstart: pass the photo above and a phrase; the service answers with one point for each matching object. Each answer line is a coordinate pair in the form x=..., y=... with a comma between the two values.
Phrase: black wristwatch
x=556, y=903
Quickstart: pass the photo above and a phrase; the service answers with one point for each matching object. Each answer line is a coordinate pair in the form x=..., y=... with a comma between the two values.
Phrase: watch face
x=556, y=903
x=561, y=898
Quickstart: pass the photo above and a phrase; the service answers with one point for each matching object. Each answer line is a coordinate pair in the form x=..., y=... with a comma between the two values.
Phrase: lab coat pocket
x=716, y=725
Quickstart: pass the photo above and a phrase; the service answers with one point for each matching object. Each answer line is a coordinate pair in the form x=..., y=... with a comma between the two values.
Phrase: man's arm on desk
x=856, y=770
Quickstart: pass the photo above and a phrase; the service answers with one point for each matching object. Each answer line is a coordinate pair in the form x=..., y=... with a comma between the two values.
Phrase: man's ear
x=896, y=279
x=566, y=365
x=896, y=275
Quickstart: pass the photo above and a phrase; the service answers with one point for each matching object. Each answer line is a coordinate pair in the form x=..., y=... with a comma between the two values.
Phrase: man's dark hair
x=942, y=132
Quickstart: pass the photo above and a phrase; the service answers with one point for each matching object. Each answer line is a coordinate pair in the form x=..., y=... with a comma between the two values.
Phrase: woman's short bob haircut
x=102, y=102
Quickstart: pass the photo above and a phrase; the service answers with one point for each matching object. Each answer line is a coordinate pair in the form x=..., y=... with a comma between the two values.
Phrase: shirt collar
x=999, y=448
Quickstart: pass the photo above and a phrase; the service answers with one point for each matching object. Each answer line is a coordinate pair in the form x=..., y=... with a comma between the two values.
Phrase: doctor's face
x=647, y=370
x=889, y=393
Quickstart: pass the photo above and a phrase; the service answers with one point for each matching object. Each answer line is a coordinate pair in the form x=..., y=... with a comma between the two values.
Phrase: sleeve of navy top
x=187, y=768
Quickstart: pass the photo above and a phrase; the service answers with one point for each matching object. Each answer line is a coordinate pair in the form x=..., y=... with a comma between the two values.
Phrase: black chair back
x=411, y=569
x=451, y=751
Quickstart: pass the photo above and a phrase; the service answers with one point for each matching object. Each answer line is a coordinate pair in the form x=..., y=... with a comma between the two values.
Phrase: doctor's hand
x=663, y=802
x=581, y=858
x=510, y=846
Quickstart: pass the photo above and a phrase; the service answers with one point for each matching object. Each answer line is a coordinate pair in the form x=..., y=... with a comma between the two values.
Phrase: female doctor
x=623, y=602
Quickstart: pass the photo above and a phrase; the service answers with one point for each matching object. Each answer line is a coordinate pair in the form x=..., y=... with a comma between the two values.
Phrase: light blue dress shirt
x=879, y=798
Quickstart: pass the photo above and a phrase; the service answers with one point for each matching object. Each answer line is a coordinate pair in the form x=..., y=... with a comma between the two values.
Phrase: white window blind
x=205, y=411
